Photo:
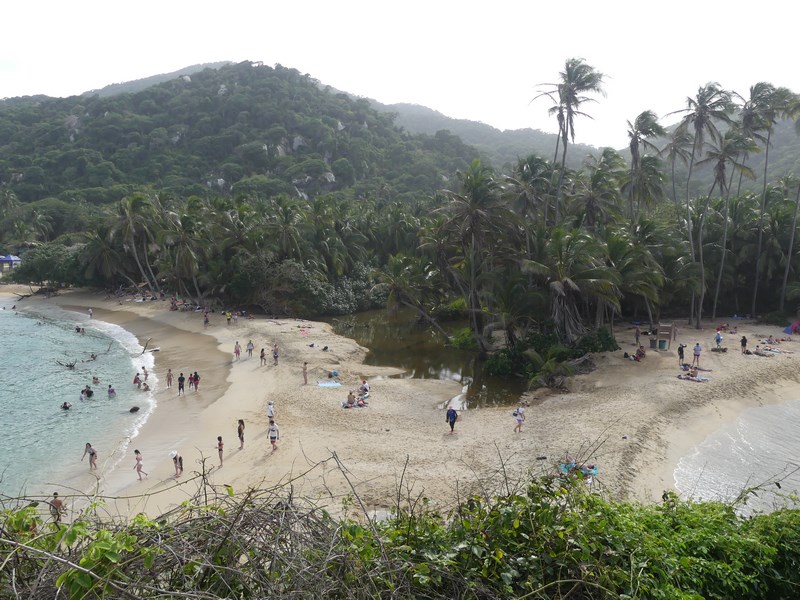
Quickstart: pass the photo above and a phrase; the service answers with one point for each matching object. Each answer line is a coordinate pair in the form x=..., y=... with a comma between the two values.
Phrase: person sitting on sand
x=759, y=352
x=363, y=389
x=351, y=399
x=640, y=354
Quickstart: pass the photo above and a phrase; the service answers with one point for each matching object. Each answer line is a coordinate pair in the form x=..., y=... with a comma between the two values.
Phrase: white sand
x=634, y=420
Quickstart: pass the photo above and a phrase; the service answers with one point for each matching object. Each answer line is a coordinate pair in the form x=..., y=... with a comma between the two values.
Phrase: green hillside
x=502, y=149
x=244, y=127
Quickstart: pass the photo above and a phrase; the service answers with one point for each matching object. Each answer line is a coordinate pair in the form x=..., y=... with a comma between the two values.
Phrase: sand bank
x=635, y=420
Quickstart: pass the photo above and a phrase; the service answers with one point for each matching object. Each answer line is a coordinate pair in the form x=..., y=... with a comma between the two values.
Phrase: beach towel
x=567, y=468
x=329, y=384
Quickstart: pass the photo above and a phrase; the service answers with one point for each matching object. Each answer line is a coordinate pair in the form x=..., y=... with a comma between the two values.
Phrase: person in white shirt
x=274, y=434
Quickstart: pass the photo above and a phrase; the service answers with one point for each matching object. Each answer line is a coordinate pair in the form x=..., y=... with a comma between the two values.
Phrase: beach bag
x=515, y=413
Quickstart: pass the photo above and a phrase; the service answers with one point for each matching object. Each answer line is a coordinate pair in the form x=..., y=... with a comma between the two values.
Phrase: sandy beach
x=634, y=420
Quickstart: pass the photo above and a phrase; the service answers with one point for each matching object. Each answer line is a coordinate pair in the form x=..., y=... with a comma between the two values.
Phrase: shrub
x=599, y=340
x=778, y=318
x=464, y=339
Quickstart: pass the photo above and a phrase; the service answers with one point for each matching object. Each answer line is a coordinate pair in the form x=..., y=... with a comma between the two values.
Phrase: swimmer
x=111, y=391
x=66, y=405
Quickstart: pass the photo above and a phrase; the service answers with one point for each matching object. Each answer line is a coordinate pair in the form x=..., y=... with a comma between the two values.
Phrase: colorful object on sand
x=329, y=384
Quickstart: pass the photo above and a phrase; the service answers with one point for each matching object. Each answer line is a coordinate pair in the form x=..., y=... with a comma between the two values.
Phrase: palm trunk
x=141, y=268
x=689, y=219
x=791, y=248
x=150, y=269
x=560, y=188
x=724, y=246
x=761, y=225
x=700, y=228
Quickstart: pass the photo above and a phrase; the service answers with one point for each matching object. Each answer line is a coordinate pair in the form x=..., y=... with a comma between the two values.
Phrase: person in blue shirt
x=451, y=417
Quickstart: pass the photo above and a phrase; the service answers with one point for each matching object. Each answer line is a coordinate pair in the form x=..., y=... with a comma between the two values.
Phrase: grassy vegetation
x=547, y=538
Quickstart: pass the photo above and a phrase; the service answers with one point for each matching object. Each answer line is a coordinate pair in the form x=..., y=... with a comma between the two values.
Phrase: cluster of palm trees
x=540, y=247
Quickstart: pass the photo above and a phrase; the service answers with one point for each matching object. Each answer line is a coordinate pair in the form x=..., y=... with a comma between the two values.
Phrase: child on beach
x=270, y=410
x=139, y=466
x=240, y=433
x=191, y=380
x=181, y=381
x=237, y=350
x=196, y=382
x=220, y=447
x=274, y=435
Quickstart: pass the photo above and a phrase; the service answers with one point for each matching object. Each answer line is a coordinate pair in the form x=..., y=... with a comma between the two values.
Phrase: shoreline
x=635, y=420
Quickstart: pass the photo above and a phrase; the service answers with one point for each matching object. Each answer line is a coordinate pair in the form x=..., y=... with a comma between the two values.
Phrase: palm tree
x=574, y=271
x=575, y=81
x=677, y=149
x=778, y=103
x=752, y=117
x=727, y=152
x=597, y=195
x=711, y=104
x=132, y=226
x=475, y=218
x=100, y=257
x=788, y=182
x=644, y=127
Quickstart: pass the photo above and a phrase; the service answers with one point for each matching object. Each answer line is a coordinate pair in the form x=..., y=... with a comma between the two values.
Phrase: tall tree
x=777, y=104
x=710, y=105
x=575, y=81
x=790, y=182
x=644, y=128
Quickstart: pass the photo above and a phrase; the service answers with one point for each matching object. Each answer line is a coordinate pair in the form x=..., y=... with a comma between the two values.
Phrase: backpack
x=515, y=413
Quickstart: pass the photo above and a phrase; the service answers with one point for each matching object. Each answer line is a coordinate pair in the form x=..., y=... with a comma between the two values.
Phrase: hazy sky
x=467, y=59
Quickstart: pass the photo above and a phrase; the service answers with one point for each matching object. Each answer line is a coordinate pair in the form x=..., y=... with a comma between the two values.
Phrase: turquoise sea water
x=762, y=447
x=41, y=444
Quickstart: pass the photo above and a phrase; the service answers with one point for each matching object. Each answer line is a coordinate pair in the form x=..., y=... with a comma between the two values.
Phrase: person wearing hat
x=177, y=460
x=56, y=507
x=270, y=410
x=680, y=354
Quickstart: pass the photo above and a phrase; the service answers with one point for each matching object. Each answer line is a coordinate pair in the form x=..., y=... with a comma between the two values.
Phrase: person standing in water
x=181, y=381
x=196, y=382
x=169, y=378
x=92, y=456
x=237, y=350
x=139, y=466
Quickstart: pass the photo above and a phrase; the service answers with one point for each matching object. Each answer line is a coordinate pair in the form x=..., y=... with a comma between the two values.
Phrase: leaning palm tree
x=644, y=127
x=575, y=81
x=711, y=104
x=778, y=104
x=677, y=149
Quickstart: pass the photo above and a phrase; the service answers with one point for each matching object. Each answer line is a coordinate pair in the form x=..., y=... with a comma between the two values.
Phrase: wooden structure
x=666, y=332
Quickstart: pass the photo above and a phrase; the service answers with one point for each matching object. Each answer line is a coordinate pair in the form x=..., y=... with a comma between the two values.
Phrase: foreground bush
x=553, y=539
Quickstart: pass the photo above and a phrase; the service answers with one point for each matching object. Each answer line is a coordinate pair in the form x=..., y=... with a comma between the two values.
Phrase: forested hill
x=500, y=148
x=241, y=128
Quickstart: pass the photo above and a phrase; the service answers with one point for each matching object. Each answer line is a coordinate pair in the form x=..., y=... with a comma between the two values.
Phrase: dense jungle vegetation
x=258, y=186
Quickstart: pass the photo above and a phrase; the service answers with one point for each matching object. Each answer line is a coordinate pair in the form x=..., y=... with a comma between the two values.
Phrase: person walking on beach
x=137, y=381
x=237, y=350
x=181, y=380
x=240, y=433
x=220, y=447
x=191, y=380
x=250, y=348
x=263, y=357
x=92, y=456
x=519, y=415
x=228, y=317
x=270, y=410
x=56, y=507
x=177, y=460
x=91, y=313
x=275, y=354
x=696, y=359
x=305, y=373
x=169, y=378
x=274, y=434
x=744, y=345
x=205, y=320
x=145, y=374
x=636, y=335
x=680, y=354
x=451, y=417
x=139, y=466
x=196, y=382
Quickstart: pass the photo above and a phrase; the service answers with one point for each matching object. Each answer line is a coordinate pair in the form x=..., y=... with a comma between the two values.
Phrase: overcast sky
x=474, y=60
